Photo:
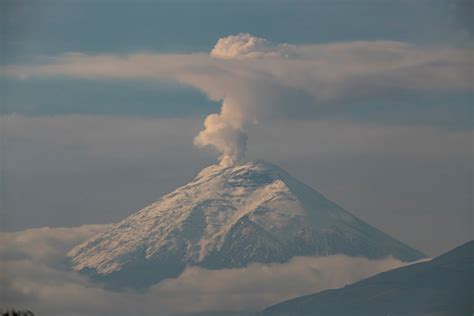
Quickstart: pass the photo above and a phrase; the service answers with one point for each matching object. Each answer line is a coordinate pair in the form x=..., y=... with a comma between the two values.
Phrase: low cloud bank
x=35, y=276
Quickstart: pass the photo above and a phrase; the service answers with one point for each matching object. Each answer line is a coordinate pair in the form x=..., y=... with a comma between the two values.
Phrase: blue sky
x=93, y=150
x=52, y=27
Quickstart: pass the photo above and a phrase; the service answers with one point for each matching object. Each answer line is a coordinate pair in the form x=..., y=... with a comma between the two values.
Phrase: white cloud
x=244, y=45
x=257, y=79
x=37, y=278
x=225, y=131
x=45, y=244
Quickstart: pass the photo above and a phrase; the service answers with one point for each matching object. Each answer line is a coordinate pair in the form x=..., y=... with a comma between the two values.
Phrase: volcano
x=229, y=217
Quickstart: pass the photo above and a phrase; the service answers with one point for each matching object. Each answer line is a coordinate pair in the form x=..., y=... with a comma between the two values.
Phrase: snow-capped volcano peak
x=229, y=217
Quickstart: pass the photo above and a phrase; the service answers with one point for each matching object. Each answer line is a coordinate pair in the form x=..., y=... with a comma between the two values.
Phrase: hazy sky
x=394, y=149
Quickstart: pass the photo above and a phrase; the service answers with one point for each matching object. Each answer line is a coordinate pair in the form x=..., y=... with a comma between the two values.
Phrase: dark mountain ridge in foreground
x=441, y=286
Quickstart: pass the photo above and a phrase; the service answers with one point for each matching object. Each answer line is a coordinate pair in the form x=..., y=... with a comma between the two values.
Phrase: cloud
x=46, y=245
x=225, y=132
x=256, y=79
x=36, y=277
x=244, y=45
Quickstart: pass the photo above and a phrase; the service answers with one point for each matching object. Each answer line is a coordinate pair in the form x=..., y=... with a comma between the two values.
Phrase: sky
x=369, y=102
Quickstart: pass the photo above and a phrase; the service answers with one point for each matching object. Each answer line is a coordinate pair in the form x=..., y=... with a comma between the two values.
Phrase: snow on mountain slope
x=229, y=217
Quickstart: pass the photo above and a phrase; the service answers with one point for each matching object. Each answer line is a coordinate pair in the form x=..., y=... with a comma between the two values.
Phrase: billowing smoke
x=244, y=46
x=225, y=132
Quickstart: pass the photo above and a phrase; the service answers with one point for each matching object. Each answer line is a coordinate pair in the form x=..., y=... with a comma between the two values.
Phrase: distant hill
x=442, y=286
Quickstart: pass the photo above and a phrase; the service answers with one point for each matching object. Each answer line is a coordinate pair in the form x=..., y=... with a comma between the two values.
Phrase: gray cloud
x=38, y=279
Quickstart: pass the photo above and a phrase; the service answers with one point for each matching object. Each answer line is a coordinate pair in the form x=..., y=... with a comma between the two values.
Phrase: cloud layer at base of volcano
x=37, y=278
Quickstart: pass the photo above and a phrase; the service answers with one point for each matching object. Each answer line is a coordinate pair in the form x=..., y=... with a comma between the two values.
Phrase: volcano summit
x=229, y=217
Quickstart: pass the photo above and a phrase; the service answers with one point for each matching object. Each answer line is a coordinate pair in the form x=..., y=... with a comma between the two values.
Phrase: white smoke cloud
x=244, y=45
x=36, y=277
x=256, y=79
x=225, y=132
